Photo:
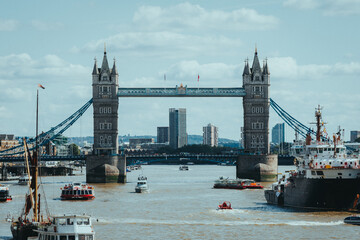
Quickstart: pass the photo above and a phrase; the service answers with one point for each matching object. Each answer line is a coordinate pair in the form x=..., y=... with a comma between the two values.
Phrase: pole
x=36, y=159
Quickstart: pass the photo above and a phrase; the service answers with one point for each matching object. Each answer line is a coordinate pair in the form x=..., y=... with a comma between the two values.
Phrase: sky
x=312, y=49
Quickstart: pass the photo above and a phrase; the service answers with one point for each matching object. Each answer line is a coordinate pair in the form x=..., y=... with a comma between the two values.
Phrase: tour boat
x=236, y=183
x=77, y=191
x=352, y=220
x=67, y=227
x=183, y=168
x=24, y=180
x=141, y=184
x=326, y=178
x=225, y=205
x=4, y=194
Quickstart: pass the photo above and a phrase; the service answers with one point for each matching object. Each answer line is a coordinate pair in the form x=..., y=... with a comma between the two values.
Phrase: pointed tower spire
x=114, y=70
x=95, y=70
x=246, y=68
x=265, y=68
x=256, y=64
x=105, y=64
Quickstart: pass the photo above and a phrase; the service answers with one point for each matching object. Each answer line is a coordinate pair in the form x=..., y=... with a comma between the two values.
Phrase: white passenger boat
x=184, y=168
x=67, y=227
x=142, y=185
x=24, y=180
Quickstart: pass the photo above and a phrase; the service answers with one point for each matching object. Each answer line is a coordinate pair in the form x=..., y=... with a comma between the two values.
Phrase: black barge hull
x=316, y=194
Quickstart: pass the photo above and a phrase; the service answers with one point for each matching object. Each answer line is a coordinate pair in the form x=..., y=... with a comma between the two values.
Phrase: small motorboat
x=77, y=191
x=352, y=220
x=4, y=194
x=24, y=180
x=184, y=168
x=225, y=205
x=142, y=185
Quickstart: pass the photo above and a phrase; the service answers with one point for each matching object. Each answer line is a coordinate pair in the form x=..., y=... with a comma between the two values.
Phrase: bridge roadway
x=229, y=159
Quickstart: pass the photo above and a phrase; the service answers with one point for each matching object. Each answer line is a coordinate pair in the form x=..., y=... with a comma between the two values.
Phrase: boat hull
x=318, y=194
x=77, y=197
x=141, y=190
x=23, y=231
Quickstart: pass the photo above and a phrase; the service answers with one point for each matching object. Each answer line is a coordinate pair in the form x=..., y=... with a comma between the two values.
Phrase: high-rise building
x=210, y=135
x=354, y=135
x=256, y=82
x=278, y=133
x=162, y=134
x=177, y=127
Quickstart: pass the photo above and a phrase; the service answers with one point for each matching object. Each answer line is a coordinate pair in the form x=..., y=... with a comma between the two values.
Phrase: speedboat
x=76, y=227
x=183, y=168
x=24, y=180
x=4, y=194
x=352, y=220
x=77, y=191
x=141, y=184
x=225, y=205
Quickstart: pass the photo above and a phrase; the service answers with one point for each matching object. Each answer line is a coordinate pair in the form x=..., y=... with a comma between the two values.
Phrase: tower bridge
x=105, y=165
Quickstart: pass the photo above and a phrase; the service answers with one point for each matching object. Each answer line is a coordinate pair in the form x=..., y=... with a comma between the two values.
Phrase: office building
x=354, y=135
x=177, y=127
x=162, y=134
x=210, y=135
x=278, y=133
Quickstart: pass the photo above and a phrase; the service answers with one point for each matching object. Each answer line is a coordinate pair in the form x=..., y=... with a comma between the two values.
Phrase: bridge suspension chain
x=50, y=135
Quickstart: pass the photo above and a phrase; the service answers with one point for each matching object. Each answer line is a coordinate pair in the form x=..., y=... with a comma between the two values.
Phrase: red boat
x=248, y=183
x=225, y=205
x=77, y=191
x=4, y=194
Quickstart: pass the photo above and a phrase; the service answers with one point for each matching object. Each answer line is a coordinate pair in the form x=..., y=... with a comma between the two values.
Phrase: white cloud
x=189, y=16
x=8, y=25
x=46, y=26
x=166, y=44
x=329, y=7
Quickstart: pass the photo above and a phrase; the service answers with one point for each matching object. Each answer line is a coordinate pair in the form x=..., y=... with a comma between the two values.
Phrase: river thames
x=183, y=205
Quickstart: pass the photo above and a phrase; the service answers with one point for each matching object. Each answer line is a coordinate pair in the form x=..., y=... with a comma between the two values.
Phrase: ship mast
x=318, y=126
x=36, y=159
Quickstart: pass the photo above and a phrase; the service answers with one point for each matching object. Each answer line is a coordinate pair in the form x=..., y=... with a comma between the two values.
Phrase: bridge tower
x=256, y=103
x=257, y=164
x=104, y=164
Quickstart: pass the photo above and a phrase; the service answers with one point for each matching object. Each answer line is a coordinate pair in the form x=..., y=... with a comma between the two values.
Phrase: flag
x=41, y=86
x=198, y=77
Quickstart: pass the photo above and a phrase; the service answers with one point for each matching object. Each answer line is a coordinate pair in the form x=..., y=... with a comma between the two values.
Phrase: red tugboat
x=77, y=191
x=225, y=205
x=4, y=194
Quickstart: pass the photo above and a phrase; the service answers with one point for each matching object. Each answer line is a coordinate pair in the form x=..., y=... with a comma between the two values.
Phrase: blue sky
x=312, y=48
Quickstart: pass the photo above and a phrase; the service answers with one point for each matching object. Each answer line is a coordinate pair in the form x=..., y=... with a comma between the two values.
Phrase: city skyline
x=310, y=47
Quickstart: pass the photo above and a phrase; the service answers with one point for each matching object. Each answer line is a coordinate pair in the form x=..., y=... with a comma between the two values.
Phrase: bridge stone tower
x=257, y=163
x=256, y=103
x=105, y=165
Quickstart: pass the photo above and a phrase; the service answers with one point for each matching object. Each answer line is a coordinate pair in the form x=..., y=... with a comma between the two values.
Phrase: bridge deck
x=181, y=92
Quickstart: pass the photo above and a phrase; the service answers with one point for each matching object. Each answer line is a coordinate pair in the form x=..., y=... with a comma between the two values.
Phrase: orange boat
x=77, y=191
x=251, y=184
x=225, y=205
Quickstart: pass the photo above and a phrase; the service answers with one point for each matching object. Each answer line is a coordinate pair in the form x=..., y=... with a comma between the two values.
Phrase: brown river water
x=183, y=205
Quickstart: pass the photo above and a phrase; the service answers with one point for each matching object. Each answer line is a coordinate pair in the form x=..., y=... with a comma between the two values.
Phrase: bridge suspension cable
x=50, y=135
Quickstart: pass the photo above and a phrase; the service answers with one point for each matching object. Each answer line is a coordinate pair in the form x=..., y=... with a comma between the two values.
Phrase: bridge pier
x=105, y=169
x=261, y=168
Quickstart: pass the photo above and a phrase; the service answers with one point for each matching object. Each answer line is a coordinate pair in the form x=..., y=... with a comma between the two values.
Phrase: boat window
x=62, y=221
x=320, y=173
x=339, y=173
x=79, y=221
x=90, y=191
x=81, y=237
x=332, y=149
x=86, y=221
x=82, y=192
x=337, y=150
x=321, y=150
x=70, y=221
x=90, y=237
x=86, y=192
x=297, y=151
x=71, y=238
x=313, y=173
x=63, y=237
x=52, y=237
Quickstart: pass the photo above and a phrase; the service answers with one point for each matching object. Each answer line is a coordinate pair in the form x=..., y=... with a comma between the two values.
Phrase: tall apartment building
x=162, y=134
x=354, y=135
x=210, y=135
x=177, y=127
x=278, y=133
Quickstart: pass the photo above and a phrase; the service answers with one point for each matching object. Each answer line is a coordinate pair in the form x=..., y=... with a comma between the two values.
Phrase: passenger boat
x=142, y=185
x=24, y=180
x=352, y=220
x=183, y=168
x=4, y=194
x=77, y=191
x=225, y=205
x=236, y=183
x=67, y=227
x=325, y=177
